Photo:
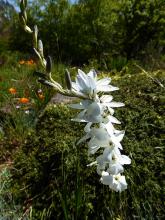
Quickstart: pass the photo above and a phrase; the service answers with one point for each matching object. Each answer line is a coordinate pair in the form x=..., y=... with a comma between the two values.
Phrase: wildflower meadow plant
x=96, y=110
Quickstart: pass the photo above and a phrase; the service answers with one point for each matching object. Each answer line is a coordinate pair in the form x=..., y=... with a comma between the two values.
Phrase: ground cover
x=47, y=159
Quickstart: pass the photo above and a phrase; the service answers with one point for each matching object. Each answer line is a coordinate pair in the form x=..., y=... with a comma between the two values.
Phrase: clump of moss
x=51, y=174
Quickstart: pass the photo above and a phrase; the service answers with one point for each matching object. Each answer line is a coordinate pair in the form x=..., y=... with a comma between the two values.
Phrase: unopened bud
x=40, y=48
x=22, y=5
x=24, y=15
x=44, y=62
x=48, y=64
x=28, y=29
x=22, y=19
x=68, y=80
x=35, y=36
x=25, y=3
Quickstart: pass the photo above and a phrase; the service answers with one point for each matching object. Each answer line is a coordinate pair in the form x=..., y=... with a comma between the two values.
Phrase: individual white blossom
x=89, y=85
x=112, y=160
x=115, y=182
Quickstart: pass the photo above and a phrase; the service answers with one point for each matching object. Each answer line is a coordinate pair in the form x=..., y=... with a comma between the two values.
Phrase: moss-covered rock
x=51, y=173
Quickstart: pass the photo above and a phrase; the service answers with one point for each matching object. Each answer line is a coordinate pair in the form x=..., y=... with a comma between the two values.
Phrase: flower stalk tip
x=49, y=64
x=68, y=79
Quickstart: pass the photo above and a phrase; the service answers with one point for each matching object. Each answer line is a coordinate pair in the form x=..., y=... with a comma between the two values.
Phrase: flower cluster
x=27, y=62
x=97, y=109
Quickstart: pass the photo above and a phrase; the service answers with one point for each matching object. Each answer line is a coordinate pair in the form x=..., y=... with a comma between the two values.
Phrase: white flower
x=112, y=161
x=87, y=84
x=91, y=111
x=99, y=137
x=115, y=182
x=106, y=101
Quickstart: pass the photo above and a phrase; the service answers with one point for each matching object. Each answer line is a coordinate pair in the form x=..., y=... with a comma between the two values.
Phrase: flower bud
x=28, y=29
x=35, y=36
x=68, y=80
x=48, y=64
x=22, y=19
x=23, y=4
x=40, y=48
x=24, y=15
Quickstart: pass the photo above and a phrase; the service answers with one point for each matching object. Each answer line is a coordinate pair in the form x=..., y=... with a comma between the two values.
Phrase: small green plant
x=9, y=210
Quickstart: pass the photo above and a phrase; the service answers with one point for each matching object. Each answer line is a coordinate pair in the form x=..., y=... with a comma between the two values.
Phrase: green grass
x=9, y=210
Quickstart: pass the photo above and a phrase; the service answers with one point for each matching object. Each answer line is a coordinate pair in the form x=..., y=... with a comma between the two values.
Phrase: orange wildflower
x=13, y=91
x=22, y=62
x=30, y=62
x=41, y=96
x=23, y=100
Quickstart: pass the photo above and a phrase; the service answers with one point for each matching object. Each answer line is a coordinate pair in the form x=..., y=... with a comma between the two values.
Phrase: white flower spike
x=97, y=110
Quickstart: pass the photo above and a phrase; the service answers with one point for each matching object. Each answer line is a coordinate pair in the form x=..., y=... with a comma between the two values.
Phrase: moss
x=51, y=174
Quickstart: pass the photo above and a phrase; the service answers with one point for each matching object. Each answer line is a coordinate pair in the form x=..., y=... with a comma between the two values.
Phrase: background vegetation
x=107, y=31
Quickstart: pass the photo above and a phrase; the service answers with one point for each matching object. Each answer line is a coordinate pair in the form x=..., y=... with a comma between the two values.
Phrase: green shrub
x=50, y=172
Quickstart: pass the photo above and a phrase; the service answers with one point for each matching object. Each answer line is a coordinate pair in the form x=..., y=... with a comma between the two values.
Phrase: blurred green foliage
x=50, y=172
x=108, y=31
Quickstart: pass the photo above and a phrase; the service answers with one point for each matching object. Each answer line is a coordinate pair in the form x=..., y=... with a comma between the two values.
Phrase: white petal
x=94, y=108
x=113, y=119
x=84, y=138
x=86, y=103
x=105, y=173
x=115, y=104
x=107, y=180
x=82, y=83
x=100, y=134
x=75, y=86
x=125, y=160
x=99, y=170
x=92, y=83
x=93, y=113
x=120, y=136
x=92, y=73
x=111, y=110
x=104, y=88
x=115, y=168
x=80, y=115
x=91, y=164
x=103, y=82
x=78, y=120
x=93, y=149
x=107, y=154
x=100, y=160
x=123, y=184
x=116, y=142
x=113, y=88
x=110, y=128
x=106, y=98
x=82, y=74
x=76, y=106
x=87, y=128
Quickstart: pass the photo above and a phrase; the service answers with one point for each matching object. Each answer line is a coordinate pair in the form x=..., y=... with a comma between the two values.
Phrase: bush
x=50, y=172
